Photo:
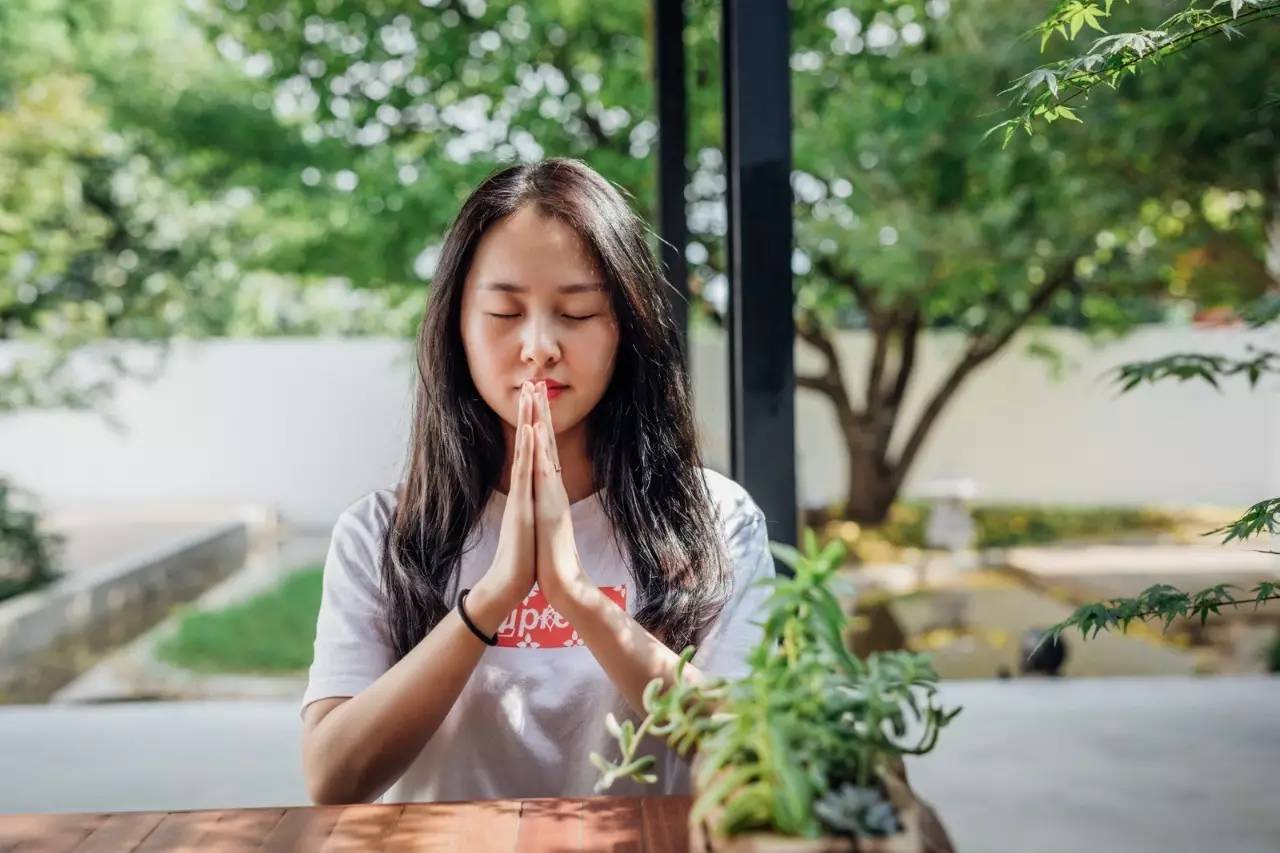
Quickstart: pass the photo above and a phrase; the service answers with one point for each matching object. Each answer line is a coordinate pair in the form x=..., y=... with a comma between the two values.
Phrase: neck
x=575, y=463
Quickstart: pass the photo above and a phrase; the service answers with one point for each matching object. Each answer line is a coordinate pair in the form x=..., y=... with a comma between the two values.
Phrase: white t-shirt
x=534, y=708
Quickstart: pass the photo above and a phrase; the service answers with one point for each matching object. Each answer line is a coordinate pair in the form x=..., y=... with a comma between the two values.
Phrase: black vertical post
x=755, y=38
x=668, y=18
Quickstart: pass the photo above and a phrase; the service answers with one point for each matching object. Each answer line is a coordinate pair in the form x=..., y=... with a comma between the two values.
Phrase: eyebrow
x=507, y=287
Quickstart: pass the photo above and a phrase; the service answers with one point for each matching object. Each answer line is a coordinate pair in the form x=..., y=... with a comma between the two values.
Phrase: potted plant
x=804, y=753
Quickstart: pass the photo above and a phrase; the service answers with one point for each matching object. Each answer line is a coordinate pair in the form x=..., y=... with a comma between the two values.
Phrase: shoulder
x=734, y=506
x=371, y=512
x=360, y=529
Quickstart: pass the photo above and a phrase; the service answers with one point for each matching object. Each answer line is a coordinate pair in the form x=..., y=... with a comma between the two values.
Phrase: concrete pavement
x=1168, y=764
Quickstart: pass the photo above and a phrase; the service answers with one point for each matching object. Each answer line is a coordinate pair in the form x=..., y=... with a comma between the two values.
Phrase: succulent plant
x=854, y=810
x=810, y=724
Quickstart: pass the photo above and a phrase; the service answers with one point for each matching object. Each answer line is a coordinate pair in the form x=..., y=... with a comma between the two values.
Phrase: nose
x=540, y=344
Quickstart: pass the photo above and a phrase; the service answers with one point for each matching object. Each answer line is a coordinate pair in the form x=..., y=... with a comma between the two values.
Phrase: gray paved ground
x=132, y=756
x=1177, y=764
x=1160, y=764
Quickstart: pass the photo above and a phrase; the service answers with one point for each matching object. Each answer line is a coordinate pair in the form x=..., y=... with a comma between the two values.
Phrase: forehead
x=530, y=251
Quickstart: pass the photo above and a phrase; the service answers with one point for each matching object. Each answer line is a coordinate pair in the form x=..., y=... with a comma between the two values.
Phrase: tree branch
x=827, y=269
x=907, y=360
x=881, y=332
x=809, y=330
x=831, y=382
x=1063, y=276
x=981, y=349
x=889, y=404
x=816, y=383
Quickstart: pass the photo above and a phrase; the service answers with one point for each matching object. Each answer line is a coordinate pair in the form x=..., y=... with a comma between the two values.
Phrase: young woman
x=555, y=542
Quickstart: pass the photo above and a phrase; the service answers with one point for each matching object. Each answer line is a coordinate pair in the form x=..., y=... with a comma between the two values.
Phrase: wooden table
x=589, y=823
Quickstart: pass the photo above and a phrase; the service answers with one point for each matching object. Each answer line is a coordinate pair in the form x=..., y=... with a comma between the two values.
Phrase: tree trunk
x=866, y=430
x=876, y=475
x=870, y=492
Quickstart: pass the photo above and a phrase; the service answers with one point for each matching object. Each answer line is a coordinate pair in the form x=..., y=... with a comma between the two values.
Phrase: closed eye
x=566, y=316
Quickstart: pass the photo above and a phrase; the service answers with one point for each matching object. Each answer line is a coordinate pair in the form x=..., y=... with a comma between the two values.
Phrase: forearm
x=629, y=655
x=362, y=746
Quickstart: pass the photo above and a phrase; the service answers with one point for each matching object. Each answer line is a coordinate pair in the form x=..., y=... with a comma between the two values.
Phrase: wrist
x=577, y=598
x=487, y=608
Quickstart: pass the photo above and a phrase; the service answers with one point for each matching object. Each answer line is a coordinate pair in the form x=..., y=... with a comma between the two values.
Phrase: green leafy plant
x=1166, y=603
x=798, y=745
x=26, y=551
x=1044, y=93
x=1209, y=367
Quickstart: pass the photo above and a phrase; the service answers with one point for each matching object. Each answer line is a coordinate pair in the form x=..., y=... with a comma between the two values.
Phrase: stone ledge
x=32, y=622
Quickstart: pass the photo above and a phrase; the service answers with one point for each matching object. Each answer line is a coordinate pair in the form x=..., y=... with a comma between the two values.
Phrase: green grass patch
x=271, y=634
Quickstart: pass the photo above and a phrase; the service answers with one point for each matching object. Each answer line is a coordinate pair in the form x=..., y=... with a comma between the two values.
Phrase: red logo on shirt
x=535, y=624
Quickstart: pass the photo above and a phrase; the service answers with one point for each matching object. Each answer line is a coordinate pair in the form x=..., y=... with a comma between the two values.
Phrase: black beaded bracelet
x=492, y=641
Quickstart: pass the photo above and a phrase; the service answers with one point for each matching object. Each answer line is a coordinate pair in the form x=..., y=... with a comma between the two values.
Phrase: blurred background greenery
x=245, y=168
x=233, y=167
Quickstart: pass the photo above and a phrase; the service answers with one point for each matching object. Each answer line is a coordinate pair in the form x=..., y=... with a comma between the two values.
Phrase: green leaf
x=719, y=791
x=792, y=797
x=787, y=554
x=644, y=762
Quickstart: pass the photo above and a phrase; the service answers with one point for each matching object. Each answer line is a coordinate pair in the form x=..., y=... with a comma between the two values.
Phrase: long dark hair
x=640, y=436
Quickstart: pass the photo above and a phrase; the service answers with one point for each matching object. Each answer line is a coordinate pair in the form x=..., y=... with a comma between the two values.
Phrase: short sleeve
x=352, y=647
x=738, y=629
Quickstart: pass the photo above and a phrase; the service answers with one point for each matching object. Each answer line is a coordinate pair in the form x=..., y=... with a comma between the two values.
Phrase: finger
x=519, y=459
x=542, y=447
x=524, y=464
x=551, y=449
x=553, y=452
x=520, y=451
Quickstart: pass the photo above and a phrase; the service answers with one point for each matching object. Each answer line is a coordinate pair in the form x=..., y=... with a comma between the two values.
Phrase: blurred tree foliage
x=143, y=176
x=219, y=156
x=905, y=219
x=1228, y=114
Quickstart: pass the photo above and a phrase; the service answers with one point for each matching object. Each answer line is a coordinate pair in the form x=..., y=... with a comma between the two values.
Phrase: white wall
x=1025, y=436
x=304, y=425
x=309, y=425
